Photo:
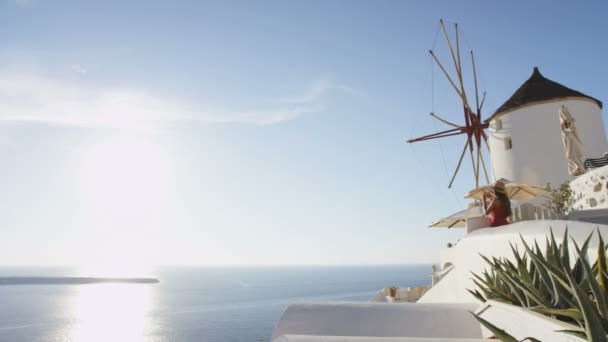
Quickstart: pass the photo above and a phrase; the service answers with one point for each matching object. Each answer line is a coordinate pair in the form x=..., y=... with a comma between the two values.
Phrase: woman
x=500, y=207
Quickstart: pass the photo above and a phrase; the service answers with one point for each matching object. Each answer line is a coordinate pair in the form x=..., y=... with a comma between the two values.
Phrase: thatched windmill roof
x=538, y=89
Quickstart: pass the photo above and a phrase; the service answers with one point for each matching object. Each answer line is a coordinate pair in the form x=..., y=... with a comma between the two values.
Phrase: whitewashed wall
x=590, y=191
x=433, y=321
x=538, y=156
x=494, y=242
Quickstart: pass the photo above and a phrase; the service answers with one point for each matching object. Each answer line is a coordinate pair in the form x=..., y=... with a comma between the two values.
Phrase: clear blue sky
x=268, y=132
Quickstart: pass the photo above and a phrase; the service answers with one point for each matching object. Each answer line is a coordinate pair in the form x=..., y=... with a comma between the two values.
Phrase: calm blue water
x=190, y=303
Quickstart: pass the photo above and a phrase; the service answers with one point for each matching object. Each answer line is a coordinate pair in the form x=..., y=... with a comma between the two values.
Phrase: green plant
x=550, y=283
x=559, y=200
x=501, y=334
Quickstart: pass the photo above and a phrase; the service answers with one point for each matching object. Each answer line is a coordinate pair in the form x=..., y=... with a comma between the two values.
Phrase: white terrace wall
x=494, y=242
x=537, y=155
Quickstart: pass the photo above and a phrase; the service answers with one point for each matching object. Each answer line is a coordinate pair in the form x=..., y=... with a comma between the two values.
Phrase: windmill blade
x=445, y=73
x=445, y=121
x=457, y=48
x=483, y=99
x=476, y=91
x=443, y=134
x=468, y=113
x=459, y=68
x=473, y=126
x=485, y=170
x=464, y=150
x=473, y=163
x=478, y=162
x=447, y=38
x=480, y=155
x=483, y=133
x=466, y=104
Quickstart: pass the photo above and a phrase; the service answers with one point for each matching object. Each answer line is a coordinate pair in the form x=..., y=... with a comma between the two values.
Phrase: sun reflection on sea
x=110, y=312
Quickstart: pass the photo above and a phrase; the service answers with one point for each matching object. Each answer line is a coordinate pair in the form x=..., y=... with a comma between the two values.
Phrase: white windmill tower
x=525, y=134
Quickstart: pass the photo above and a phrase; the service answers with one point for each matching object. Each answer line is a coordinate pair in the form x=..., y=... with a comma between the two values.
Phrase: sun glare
x=125, y=174
x=110, y=312
x=125, y=184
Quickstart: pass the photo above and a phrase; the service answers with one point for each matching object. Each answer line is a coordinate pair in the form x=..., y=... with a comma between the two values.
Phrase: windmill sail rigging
x=473, y=127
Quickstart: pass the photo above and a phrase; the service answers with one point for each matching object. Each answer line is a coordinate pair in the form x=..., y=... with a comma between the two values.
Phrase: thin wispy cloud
x=35, y=97
x=79, y=69
x=323, y=87
x=23, y=3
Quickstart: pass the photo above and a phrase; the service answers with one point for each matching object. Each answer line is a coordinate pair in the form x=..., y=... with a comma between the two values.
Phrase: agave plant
x=549, y=283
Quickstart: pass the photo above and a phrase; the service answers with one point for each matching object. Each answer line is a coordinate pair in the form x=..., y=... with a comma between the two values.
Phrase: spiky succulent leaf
x=577, y=333
x=598, y=294
x=564, y=252
x=601, y=265
x=553, y=271
x=492, y=288
x=593, y=325
x=546, y=283
x=500, y=333
x=577, y=269
x=571, y=313
x=477, y=295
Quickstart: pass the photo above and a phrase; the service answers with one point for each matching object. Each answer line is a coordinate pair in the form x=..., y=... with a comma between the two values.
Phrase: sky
x=254, y=133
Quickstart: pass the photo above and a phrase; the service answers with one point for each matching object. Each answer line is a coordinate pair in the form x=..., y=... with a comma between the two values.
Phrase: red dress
x=498, y=215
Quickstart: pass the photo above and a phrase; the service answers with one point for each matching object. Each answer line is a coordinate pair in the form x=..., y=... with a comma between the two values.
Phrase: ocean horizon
x=191, y=303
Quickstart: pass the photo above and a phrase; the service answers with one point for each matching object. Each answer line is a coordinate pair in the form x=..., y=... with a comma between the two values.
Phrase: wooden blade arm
x=483, y=134
x=445, y=73
x=476, y=91
x=485, y=171
x=464, y=150
x=447, y=38
x=483, y=99
x=473, y=163
x=445, y=121
x=464, y=100
x=459, y=68
x=438, y=135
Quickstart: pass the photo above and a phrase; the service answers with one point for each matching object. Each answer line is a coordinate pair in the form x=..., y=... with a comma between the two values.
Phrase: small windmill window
x=508, y=143
x=498, y=125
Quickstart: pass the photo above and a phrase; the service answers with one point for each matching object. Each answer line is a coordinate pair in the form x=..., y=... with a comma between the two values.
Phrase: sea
x=199, y=304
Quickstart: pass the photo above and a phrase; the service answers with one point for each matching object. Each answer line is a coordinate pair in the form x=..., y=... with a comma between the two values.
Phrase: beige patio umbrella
x=573, y=144
x=515, y=191
x=458, y=220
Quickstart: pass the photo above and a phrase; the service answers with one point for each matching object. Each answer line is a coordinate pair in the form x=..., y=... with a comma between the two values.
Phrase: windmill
x=473, y=126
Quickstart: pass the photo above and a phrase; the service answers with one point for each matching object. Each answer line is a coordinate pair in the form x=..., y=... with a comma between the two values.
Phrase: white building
x=525, y=134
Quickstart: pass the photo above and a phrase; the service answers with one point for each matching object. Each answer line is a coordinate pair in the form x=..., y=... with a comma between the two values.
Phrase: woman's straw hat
x=500, y=187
